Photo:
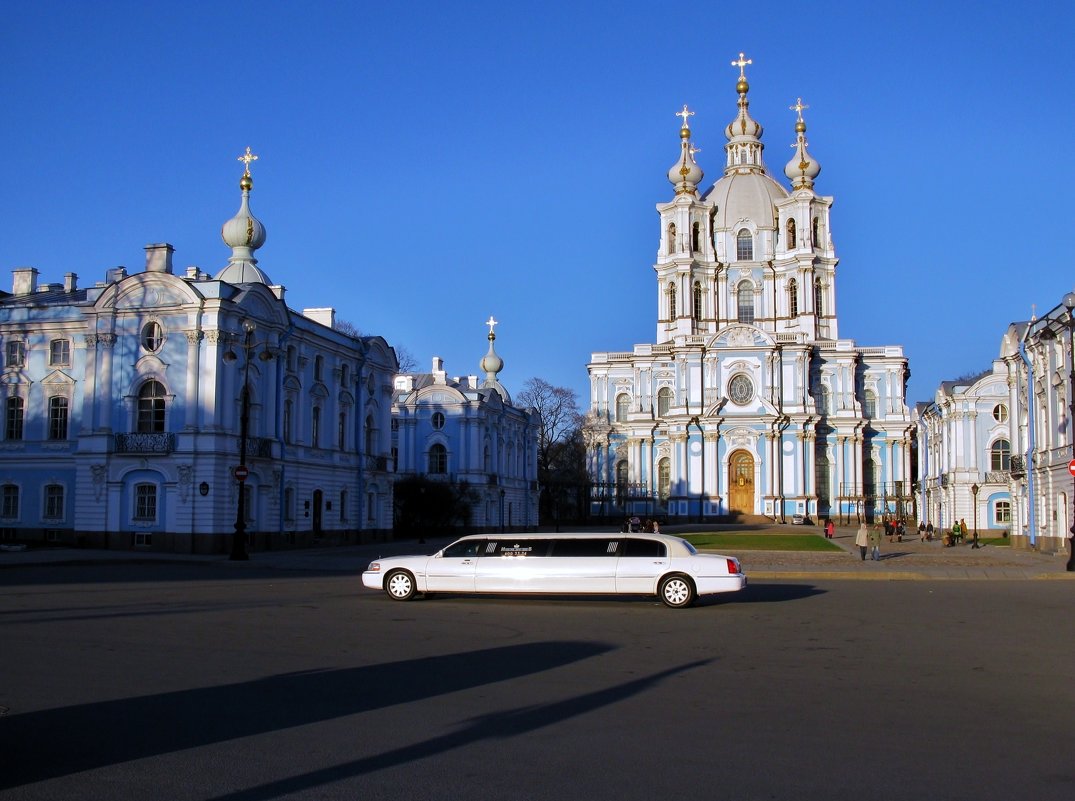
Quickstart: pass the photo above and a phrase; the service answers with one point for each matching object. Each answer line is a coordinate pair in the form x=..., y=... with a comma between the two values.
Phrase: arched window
x=791, y=235
x=57, y=417
x=370, y=437
x=623, y=404
x=697, y=301
x=151, y=408
x=1000, y=455
x=744, y=245
x=438, y=459
x=793, y=298
x=671, y=238
x=744, y=296
x=664, y=478
x=664, y=401
x=621, y=473
x=672, y=308
x=824, y=400
x=815, y=229
x=869, y=403
x=818, y=297
x=696, y=237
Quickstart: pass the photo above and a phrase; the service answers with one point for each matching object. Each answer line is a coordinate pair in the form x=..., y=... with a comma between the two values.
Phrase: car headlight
x=375, y=567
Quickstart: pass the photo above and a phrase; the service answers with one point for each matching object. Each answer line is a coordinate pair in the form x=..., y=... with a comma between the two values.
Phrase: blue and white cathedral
x=749, y=402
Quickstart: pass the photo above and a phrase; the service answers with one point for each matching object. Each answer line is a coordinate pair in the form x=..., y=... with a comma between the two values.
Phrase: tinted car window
x=520, y=547
x=465, y=548
x=652, y=548
x=586, y=547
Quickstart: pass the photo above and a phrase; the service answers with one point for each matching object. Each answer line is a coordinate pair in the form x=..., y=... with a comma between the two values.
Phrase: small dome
x=244, y=234
x=742, y=196
x=802, y=169
x=685, y=174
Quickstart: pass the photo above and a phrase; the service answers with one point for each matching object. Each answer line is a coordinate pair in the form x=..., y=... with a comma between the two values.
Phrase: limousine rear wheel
x=676, y=591
x=399, y=584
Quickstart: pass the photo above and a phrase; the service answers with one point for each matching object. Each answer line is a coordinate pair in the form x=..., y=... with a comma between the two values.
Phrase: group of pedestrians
x=869, y=538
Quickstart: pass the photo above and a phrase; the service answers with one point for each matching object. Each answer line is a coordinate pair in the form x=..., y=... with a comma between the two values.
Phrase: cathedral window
x=60, y=352
x=621, y=473
x=289, y=412
x=437, y=420
x=671, y=238
x=145, y=502
x=315, y=427
x=57, y=417
x=623, y=403
x=1003, y=512
x=319, y=366
x=10, y=508
x=696, y=237
x=869, y=403
x=664, y=401
x=791, y=235
x=793, y=298
x=152, y=337
x=744, y=296
x=370, y=437
x=1000, y=413
x=151, y=408
x=744, y=245
x=341, y=431
x=697, y=301
x=15, y=407
x=438, y=459
x=664, y=479
x=818, y=297
x=1000, y=455
x=824, y=401
x=16, y=354
x=815, y=230
x=672, y=308
x=54, y=502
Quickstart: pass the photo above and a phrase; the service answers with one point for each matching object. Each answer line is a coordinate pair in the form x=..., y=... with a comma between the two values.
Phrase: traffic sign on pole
x=241, y=472
x=1071, y=467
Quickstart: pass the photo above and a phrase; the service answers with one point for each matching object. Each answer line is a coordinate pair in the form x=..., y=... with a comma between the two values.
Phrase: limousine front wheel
x=676, y=591
x=399, y=584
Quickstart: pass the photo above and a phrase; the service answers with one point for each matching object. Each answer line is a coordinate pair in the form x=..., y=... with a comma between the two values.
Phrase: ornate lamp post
x=238, y=541
x=1069, y=304
x=974, y=492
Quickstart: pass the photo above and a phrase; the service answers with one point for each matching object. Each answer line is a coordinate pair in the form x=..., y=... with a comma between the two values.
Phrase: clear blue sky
x=425, y=165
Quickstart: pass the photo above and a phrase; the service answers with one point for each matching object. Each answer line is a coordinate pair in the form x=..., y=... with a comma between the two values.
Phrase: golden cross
x=684, y=114
x=798, y=108
x=246, y=158
x=491, y=322
x=741, y=63
x=692, y=150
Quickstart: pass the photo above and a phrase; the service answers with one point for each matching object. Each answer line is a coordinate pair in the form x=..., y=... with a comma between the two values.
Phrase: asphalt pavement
x=900, y=561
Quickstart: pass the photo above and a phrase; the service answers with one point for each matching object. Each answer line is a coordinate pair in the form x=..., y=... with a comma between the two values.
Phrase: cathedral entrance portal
x=741, y=483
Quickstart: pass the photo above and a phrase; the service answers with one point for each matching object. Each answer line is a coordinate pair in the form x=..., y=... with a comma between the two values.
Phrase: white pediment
x=58, y=378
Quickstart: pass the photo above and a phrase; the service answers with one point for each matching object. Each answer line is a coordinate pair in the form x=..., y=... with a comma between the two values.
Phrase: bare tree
x=560, y=418
x=407, y=362
x=348, y=328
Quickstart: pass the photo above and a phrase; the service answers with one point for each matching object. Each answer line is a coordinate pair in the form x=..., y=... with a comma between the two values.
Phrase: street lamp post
x=974, y=492
x=1069, y=304
x=238, y=542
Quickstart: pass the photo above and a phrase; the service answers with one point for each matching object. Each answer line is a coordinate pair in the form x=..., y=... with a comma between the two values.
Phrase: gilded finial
x=246, y=158
x=692, y=150
x=685, y=114
x=492, y=323
x=798, y=108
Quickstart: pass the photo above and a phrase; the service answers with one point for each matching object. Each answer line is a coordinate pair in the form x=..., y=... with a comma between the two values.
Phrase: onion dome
x=685, y=174
x=491, y=364
x=244, y=234
x=802, y=169
x=743, y=127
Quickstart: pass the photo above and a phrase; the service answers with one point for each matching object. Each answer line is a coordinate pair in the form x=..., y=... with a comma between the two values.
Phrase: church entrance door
x=741, y=483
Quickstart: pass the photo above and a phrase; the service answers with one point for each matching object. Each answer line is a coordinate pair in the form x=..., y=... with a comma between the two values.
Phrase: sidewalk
x=900, y=561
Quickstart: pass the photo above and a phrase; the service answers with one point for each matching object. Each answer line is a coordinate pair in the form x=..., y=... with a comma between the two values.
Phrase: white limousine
x=635, y=564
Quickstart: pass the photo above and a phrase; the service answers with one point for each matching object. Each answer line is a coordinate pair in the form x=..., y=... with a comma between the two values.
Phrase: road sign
x=1071, y=467
x=241, y=472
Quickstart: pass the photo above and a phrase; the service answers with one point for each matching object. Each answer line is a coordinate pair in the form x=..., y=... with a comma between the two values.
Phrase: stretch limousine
x=636, y=564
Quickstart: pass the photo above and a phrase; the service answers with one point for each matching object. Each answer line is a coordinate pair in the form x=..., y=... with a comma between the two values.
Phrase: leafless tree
x=407, y=362
x=560, y=418
x=348, y=328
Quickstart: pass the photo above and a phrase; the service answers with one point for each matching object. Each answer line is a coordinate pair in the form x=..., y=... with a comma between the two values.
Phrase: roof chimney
x=25, y=280
x=159, y=258
x=70, y=282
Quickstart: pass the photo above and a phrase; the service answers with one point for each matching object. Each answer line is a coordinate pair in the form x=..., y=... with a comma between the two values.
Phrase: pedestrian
x=921, y=531
x=955, y=534
x=901, y=529
x=875, y=544
x=963, y=529
x=656, y=527
x=862, y=539
x=830, y=528
x=929, y=532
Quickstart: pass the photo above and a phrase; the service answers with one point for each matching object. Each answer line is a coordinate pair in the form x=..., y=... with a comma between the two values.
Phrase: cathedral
x=748, y=403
